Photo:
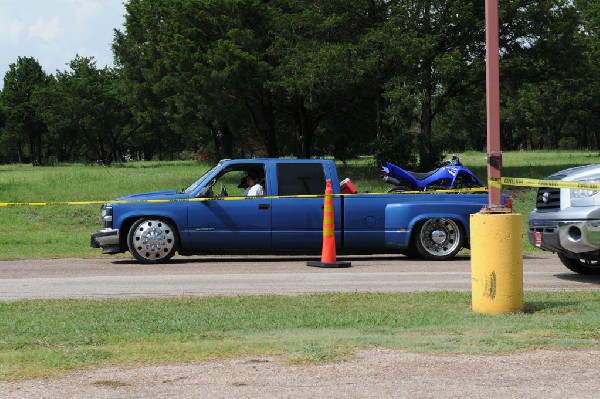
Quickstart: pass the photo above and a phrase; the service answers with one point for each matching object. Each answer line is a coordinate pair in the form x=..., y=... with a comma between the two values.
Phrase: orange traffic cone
x=328, y=253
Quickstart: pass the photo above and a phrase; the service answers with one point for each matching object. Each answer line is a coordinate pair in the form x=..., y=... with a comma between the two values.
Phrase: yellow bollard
x=496, y=263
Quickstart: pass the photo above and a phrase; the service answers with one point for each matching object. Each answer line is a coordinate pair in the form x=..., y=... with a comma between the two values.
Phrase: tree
x=589, y=36
x=317, y=73
x=23, y=130
x=548, y=77
x=197, y=65
x=141, y=58
x=243, y=70
x=441, y=45
x=82, y=111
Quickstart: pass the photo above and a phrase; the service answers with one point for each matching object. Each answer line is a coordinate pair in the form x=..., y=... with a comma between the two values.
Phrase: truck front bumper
x=576, y=236
x=108, y=240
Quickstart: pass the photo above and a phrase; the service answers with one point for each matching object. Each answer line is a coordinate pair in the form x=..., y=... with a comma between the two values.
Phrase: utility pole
x=494, y=154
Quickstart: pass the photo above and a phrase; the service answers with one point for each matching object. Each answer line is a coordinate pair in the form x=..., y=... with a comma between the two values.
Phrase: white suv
x=567, y=221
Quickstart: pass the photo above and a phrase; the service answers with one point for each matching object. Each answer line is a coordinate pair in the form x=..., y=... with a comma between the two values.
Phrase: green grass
x=58, y=231
x=40, y=338
x=63, y=230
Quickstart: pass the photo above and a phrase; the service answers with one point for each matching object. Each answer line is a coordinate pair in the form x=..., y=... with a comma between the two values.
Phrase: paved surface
x=230, y=275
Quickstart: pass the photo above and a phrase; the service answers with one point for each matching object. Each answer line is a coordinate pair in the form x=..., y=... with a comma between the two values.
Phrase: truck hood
x=154, y=195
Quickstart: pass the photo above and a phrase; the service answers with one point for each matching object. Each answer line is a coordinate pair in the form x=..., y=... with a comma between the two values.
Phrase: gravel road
x=373, y=373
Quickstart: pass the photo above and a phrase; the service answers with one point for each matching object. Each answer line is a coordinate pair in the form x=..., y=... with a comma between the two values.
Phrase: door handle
x=264, y=206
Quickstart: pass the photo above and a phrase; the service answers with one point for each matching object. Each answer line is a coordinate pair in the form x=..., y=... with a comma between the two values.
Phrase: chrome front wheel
x=152, y=240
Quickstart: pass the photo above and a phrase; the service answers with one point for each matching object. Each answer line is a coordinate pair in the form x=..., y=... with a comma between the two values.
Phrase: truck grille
x=548, y=198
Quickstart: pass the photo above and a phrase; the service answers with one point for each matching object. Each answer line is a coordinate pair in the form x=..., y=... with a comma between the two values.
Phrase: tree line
x=401, y=79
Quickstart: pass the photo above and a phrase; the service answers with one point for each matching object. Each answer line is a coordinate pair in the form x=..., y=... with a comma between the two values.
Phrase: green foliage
x=238, y=78
x=398, y=150
x=567, y=143
x=23, y=130
x=80, y=109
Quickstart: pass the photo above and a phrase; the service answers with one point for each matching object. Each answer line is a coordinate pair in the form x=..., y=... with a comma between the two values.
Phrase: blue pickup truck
x=212, y=217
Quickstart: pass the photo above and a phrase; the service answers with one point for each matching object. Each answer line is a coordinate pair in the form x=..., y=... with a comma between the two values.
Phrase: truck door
x=298, y=222
x=232, y=221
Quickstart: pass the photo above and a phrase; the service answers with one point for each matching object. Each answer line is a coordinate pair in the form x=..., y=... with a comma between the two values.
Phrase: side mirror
x=205, y=192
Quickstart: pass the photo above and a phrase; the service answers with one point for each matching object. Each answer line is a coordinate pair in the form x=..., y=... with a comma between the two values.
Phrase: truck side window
x=232, y=180
x=300, y=179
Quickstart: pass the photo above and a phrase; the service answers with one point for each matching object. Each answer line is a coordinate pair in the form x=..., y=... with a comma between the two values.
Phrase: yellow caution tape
x=523, y=182
x=46, y=203
x=9, y=204
x=492, y=182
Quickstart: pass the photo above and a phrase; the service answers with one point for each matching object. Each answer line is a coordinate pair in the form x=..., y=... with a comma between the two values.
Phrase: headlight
x=578, y=193
x=106, y=215
x=581, y=193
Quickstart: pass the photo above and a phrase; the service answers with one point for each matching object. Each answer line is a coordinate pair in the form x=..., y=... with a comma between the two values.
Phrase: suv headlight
x=581, y=193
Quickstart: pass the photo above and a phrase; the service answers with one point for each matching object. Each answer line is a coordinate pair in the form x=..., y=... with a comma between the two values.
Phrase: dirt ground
x=372, y=374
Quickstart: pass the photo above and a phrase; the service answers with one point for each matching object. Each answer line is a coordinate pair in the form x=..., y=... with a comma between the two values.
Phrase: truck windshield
x=199, y=182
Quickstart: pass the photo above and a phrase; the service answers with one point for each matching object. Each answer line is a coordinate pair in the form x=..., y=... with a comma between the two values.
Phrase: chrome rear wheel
x=439, y=238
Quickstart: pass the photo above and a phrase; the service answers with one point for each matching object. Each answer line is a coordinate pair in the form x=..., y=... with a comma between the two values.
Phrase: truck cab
x=212, y=215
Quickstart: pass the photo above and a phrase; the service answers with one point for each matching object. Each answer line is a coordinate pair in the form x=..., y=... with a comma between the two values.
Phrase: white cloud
x=86, y=9
x=48, y=30
x=15, y=29
x=55, y=31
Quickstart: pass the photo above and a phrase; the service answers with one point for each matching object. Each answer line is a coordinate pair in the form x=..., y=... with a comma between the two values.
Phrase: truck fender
x=400, y=219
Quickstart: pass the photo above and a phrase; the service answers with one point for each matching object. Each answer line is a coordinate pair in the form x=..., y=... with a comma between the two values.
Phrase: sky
x=55, y=31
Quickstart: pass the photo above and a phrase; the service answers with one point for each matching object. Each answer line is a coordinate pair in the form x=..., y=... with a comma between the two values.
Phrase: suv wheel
x=581, y=266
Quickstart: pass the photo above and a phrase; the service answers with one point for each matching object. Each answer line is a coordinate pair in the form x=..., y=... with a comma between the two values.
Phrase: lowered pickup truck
x=567, y=221
x=212, y=217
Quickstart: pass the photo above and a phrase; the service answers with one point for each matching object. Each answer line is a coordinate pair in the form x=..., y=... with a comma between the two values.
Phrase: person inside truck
x=253, y=187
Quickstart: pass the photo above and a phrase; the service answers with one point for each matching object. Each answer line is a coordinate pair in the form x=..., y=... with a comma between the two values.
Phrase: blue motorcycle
x=451, y=175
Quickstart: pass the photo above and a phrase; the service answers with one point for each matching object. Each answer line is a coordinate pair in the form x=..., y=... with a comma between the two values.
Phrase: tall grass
x=63, y=231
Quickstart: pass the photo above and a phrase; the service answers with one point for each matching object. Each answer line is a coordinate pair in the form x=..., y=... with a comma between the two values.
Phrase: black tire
x=152, y=240
x=581, y=266
x=439, y=238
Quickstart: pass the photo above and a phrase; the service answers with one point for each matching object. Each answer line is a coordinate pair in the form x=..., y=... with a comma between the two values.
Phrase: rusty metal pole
x=494, y=155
